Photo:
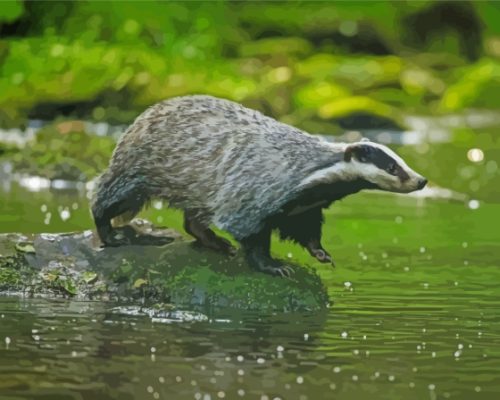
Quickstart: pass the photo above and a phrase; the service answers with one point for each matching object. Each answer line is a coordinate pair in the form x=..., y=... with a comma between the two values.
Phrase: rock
x=75, y=265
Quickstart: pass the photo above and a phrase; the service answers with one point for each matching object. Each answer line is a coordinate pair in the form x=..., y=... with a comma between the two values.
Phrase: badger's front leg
x=305, y=229
x=256, y=248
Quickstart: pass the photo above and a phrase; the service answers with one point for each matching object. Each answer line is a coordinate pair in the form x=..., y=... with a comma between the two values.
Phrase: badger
x=232, y=167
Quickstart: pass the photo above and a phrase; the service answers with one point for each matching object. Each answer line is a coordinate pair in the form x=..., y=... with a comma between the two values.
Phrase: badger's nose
x=421, y=183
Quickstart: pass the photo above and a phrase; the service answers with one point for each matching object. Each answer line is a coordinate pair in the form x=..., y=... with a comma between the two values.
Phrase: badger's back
x=231, y=165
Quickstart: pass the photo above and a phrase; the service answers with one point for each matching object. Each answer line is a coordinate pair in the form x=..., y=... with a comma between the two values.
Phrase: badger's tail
x=117, y=198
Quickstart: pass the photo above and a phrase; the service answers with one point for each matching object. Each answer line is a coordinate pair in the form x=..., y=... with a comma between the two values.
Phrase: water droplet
x=355, y=378
x=260, y=360
x=306, y=336
x=344, y=334
x=280, y=348
x=432, y=386
x=347, y=284
x=300, y=380
x=336, y=370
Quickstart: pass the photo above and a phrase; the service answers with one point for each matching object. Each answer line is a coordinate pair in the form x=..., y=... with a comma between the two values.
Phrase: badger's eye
x=392, y=169
x=363, y=159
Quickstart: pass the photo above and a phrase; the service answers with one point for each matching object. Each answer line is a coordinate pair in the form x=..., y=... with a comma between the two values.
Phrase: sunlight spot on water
x=7, y=341
x=477, y=389
x=336, y=370
x=241, y=372
x=161, y=379
x=426, y=285
x=475, y=155
x=347, y=284
x=260, y=360
x=411, y=384
x=46, y=221
x=43, y=208
x=65, y=214
x=241, y=392
x=280, y=348
x=422, y=249
x=333, y=386
x=150, y=389
x=306, y=336
x=158, y=204
x=391, y=378
x=355, y=378
x=433, y=354
x=34, y=183
x=156, y=395
x=240, y=358
x=221, y=395
x=300, y=380
x=473, y=204
x=344, y=334
x=432, y=386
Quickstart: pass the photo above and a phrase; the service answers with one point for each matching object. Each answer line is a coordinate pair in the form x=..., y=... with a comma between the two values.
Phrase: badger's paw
x=276, y=269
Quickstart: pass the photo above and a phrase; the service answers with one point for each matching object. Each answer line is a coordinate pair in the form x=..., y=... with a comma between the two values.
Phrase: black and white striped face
x=379, y=165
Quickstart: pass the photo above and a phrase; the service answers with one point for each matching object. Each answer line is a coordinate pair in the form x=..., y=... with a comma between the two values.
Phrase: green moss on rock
x=178, y=273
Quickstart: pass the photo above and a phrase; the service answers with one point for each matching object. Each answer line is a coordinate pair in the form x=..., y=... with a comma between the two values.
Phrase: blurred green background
x=430, y=69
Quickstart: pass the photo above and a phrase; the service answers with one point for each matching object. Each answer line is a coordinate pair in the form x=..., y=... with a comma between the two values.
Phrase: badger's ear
x=365, y=139
x=348, y=152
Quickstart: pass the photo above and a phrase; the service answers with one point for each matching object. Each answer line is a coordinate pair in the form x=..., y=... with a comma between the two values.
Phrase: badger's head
x=380, y=166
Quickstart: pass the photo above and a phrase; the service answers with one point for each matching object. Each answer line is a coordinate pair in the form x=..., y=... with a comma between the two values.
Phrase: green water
x=415, y=315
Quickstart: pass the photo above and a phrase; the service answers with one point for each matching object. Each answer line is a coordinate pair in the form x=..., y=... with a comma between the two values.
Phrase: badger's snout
x=421, y=183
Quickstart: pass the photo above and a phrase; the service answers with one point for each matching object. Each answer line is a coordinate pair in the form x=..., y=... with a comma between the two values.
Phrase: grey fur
x=220, y=162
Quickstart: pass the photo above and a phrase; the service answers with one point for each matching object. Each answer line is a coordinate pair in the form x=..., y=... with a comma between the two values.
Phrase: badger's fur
x=247, y=174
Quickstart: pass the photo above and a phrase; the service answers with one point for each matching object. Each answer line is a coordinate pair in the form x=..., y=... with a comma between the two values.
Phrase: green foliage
x=65, y=151
x=109, y=61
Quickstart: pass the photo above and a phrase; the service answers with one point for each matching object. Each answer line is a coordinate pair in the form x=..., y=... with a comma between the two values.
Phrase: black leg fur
x=206, y=237
x=256, y=248
x=116, y=197
x=305, y=229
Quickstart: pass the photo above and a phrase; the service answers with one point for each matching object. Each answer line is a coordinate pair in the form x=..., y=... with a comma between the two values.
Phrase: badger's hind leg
x=256, y=248
x=205, y=236
x=305, y=229
x=119, y=200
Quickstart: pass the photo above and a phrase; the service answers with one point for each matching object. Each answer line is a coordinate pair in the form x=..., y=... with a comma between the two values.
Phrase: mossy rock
x=477, y=87
x=360, y=112
x=74, y=265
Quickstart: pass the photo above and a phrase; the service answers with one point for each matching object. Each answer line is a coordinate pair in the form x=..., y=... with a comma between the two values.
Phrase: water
x=415, y=311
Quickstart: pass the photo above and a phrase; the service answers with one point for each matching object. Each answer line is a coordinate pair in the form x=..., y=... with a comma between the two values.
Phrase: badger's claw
x=284, y=271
